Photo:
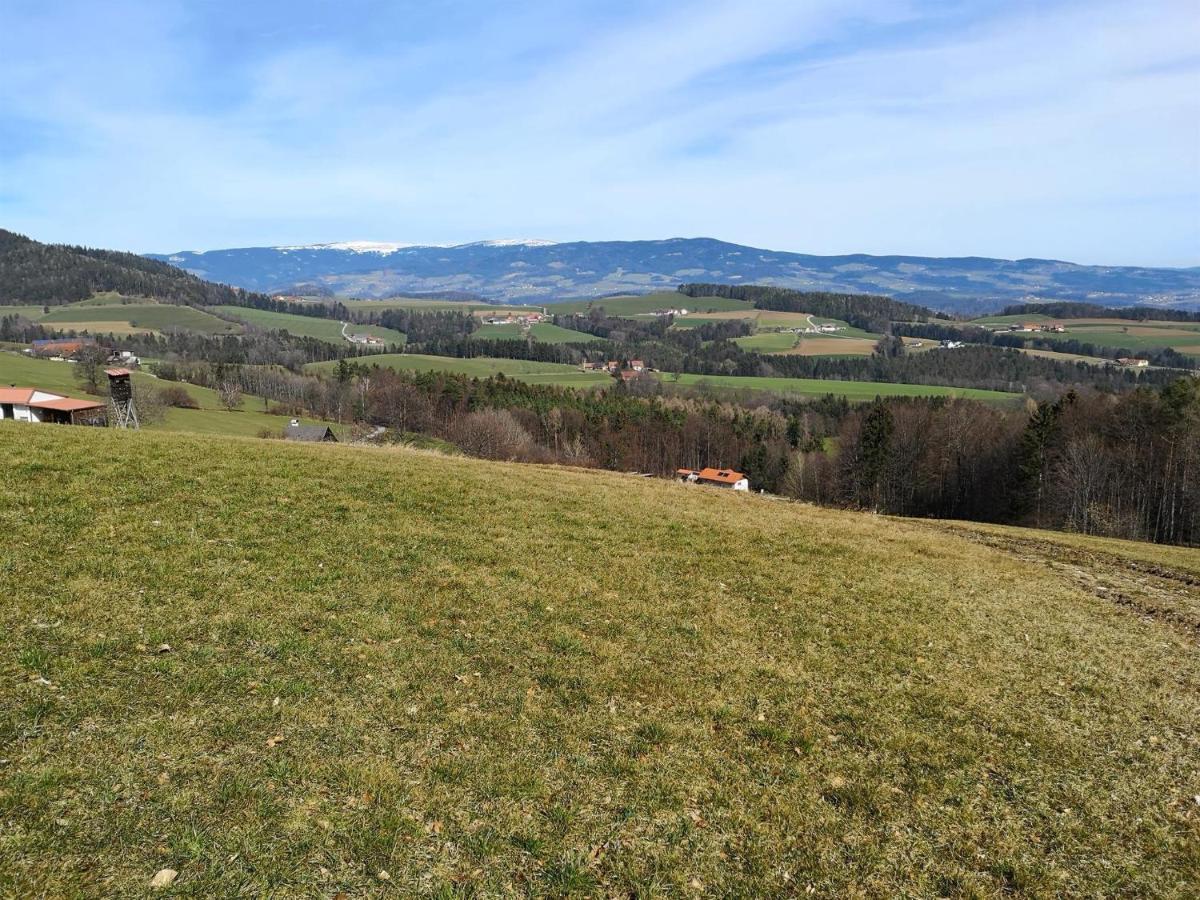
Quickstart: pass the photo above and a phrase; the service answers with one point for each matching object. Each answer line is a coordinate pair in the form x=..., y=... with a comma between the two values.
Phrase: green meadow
x=328, y=330
x=817, y=387
x=541, y=331
x=428, y=676
x=642, y=304
x=480, y=367
x=122, y=317
x=1137, y=336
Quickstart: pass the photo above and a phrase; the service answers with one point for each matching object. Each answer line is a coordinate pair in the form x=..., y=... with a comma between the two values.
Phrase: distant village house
x=724, y=478
x=312, y=433
x=1131, y=362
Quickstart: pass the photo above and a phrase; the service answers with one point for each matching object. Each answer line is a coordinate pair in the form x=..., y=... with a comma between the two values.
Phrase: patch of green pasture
x=1011, y=320
x=641, y=304
x=1114, y=333
x=529, y=371
x=26, y=312
x=153, y=316
x=852, y=390
x=112, y=298
x=546, y=332
x=328, y=330
x=768, y=342
x=1177, y=337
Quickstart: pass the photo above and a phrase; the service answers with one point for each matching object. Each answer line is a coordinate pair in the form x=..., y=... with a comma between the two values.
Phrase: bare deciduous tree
x=230, y=394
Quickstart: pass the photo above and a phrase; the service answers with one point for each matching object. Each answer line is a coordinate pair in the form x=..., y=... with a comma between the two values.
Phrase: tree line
x=1073, y=310
x=1126, y=466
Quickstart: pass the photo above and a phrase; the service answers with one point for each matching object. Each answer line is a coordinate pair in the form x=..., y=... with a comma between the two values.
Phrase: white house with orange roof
x=24, y=404
x=725, y=478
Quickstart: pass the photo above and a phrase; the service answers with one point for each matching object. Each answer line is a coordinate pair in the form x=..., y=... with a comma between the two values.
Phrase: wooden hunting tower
x=120, y=391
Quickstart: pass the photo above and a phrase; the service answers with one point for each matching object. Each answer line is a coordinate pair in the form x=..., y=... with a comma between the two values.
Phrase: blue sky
x=1052, y=129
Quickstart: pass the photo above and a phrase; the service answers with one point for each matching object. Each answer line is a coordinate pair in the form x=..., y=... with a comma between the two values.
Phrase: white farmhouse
x=24, y=404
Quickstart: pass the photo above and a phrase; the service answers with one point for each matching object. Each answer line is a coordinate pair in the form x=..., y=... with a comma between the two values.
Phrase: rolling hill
x=542, y=271
x=56, y=274
x=441, y=677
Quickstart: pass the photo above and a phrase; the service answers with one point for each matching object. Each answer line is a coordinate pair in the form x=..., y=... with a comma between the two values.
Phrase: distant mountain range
x=524, y=270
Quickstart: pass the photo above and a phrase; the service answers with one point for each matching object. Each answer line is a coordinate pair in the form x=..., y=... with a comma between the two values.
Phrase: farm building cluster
x=70, y=349
x=1037, y=326
x=826, y=328
x=515, y=319
x=624, y=371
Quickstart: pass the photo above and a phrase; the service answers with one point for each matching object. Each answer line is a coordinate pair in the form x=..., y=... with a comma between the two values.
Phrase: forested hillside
x=54, y=274
x=1094, y=310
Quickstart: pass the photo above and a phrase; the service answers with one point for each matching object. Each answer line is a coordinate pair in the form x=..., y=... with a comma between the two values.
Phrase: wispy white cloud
x=1065, y=131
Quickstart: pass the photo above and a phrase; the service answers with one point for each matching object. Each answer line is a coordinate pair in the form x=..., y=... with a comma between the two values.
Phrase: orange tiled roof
x=15, y=395
x=69, y=346
x=722, y=476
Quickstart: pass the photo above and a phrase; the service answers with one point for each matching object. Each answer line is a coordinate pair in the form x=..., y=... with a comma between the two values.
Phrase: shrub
x=177, y=396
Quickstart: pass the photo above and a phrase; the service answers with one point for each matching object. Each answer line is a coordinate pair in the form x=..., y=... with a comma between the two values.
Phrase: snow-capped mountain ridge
x=386, y=248
x=539, y=271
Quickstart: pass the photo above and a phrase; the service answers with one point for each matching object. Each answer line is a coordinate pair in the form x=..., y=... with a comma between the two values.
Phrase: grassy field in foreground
x=210, y=418
x=441, y=677
x=328, y=330
x=853, y=390
x=480, y=367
